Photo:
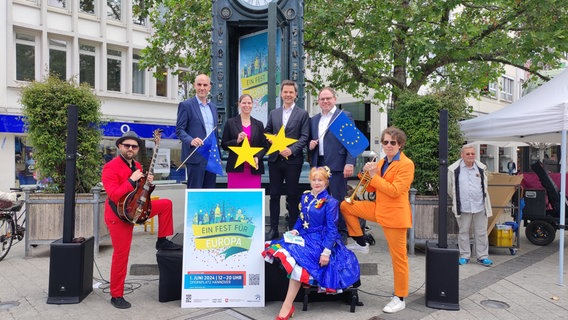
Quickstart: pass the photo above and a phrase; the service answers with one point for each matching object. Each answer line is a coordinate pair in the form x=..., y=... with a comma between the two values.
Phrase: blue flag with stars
x=210, y=151
x=347, y=133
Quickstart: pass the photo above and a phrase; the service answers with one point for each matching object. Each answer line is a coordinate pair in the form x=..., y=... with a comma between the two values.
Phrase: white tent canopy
x=537, y=117
x=540, y=116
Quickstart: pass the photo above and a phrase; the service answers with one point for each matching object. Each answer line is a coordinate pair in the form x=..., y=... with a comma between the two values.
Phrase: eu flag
x=347, y=133
x=210, y=151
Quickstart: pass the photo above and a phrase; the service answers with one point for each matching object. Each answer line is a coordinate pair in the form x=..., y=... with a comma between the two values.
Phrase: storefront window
x=166, y=163
x=25, y=163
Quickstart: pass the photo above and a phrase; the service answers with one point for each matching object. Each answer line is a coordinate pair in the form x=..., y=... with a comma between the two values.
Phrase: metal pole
x=562, y=210
x=412, y=241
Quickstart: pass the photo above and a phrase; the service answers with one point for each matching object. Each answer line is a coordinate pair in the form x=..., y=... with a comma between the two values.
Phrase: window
x=58, y=58
x=25, y=163
x=114, y=65
x=87, y=64
x=184, y=85
x=162, y=84
x=57, y=3
x=507, y=92
x=25, y=57
x=138, y=14
x=87, y=6
x=114, y=9
x=138, y=76
x=492, y=88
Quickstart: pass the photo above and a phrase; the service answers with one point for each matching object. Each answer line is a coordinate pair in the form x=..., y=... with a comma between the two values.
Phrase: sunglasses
x=386, y=142
x=128, y=146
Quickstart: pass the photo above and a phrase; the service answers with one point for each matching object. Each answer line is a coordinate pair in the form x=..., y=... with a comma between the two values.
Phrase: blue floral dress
x=317, y=225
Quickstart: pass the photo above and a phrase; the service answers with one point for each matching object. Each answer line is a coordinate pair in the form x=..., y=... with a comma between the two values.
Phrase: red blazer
x=115, y=180
x=392, y=204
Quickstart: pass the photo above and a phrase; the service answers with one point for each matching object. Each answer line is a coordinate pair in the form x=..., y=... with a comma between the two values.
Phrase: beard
x=128, y=155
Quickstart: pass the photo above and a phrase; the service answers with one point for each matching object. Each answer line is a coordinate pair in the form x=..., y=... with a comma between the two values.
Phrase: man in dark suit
x=327, y=150
x=196, y=119
x=286, y=165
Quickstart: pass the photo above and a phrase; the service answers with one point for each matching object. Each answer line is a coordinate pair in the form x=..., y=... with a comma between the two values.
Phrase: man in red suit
x=120, y=177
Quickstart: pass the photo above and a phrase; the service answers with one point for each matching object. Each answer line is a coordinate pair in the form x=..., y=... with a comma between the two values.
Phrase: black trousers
x=338, y=189
x=278, y=173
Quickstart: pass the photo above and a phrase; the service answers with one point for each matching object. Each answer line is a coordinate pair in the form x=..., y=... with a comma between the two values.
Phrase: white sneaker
x=355, y=247
x=395, y=305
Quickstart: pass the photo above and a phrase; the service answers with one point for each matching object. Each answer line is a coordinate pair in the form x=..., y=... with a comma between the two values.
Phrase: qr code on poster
x=254, y=279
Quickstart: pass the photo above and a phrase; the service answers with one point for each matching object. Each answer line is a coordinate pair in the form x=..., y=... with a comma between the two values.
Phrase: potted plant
x=418, y=116
x=45, y=106
x=45, y=110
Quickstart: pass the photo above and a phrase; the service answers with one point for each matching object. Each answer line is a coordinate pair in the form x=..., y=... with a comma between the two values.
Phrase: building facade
x=97, y=42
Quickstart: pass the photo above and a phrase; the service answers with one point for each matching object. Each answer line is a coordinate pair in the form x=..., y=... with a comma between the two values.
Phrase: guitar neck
x=157, y=135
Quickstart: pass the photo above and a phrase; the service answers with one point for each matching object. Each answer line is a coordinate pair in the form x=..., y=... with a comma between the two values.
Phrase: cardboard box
x=501, y=236
x=502, y=187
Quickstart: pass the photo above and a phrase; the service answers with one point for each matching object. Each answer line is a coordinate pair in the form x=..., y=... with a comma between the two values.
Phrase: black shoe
x=166, y=244
x=271, y=235
x=120, y=303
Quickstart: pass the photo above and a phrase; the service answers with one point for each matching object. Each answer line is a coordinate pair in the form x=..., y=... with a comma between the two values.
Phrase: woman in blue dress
x=322, y=260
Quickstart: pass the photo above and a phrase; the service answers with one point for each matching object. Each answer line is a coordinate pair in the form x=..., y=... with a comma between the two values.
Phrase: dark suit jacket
x=335, y=154
x=298, y=127
x=233, y=127
x=190, y=125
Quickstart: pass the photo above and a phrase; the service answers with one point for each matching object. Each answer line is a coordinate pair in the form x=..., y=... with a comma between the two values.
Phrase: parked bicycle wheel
x=7, y=229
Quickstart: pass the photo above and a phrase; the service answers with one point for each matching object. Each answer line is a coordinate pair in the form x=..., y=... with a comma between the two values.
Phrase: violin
x=135, y=207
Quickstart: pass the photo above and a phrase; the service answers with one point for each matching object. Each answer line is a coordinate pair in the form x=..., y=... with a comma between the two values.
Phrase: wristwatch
x=255, y=4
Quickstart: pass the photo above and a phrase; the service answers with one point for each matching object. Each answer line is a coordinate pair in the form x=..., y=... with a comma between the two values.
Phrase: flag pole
x=184, y=161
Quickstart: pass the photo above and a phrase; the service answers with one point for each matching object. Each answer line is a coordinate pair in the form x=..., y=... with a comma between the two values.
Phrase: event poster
x=223, y=241
x=253, y=71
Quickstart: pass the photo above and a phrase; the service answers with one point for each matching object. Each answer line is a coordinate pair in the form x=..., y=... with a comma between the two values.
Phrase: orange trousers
x=396, y=240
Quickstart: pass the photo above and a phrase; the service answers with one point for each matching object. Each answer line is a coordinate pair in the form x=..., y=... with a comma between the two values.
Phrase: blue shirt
x=387, y=163
x=207, y=117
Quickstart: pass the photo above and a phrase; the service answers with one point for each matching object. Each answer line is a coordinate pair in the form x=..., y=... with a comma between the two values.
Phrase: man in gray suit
x=286, y=166
x=327, y=150
x=197, y=119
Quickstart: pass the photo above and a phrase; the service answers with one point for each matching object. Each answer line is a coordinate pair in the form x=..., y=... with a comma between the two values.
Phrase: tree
x=418, y=117
x=45, y=107
x=388, y=46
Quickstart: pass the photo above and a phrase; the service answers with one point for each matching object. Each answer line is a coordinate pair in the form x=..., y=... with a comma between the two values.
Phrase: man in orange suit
x=390, y=179
x=120, y=177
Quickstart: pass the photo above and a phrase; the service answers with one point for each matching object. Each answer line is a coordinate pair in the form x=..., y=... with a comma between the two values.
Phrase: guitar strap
x=114, y=208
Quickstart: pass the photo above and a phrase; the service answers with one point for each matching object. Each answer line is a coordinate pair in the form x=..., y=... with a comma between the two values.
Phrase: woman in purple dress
x=236, y=130
x=322, y=260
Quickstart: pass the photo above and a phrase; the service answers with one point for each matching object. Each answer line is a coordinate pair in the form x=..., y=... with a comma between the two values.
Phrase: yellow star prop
x=245, y=153
x=279, y=141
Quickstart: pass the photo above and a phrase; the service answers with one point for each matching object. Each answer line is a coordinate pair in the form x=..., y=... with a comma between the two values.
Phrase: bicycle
x=12, y=221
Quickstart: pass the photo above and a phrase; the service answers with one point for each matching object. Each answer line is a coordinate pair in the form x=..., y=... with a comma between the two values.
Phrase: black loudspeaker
x=442, y=277
x=70, y=271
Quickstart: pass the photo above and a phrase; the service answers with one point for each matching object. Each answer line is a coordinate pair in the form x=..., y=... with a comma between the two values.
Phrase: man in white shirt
x=467, y=186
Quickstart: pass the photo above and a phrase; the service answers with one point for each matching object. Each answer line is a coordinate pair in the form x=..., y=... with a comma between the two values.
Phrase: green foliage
x=384, y=45
x=45, y=110
x=419, y=117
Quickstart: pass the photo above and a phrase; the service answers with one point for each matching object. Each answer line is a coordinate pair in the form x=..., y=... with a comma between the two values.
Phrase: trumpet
x=365, y=179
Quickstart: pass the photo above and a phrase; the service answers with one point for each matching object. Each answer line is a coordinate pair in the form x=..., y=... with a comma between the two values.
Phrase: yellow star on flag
x=279, y=141
x=245, y=153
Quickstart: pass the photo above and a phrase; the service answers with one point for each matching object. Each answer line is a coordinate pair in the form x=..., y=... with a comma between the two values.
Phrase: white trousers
x=479, y=220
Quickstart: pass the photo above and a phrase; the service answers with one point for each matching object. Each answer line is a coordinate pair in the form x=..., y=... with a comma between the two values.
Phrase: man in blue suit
x=327, y=150
x=286, y=165
x=196, y=119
